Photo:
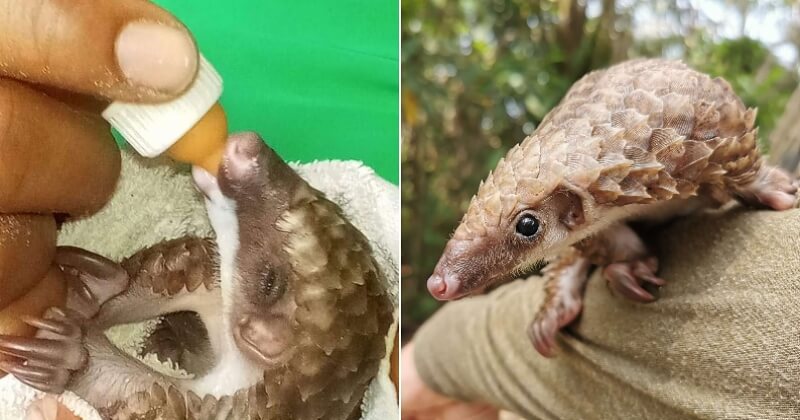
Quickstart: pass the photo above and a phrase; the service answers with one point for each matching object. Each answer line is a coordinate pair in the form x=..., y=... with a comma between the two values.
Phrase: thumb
x=115, y=49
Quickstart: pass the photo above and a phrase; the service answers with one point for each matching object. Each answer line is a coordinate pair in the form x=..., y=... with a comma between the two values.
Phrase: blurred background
x=479, y=75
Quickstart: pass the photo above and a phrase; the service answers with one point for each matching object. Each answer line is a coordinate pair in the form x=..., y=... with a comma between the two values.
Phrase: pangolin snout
x=465, y=267
x=444, y=285
x=239, y=163
x=447, y=281
x=241, y=155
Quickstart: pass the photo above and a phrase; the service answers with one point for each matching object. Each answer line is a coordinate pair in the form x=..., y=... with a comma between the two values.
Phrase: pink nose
x=241, y=154
x=443, y=287
x=245, y=146
x=436, y=285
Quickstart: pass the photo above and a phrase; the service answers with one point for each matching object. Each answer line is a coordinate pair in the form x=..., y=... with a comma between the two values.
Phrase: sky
x=767, y=22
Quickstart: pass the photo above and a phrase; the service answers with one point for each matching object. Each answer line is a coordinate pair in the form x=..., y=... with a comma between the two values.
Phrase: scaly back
x=639, y=132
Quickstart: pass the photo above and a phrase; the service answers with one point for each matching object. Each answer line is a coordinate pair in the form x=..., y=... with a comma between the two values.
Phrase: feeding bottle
x=191, y=128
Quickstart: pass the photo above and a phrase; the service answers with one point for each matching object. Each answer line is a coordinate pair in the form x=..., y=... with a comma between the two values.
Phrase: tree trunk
x=785, y=139
x=570, y=30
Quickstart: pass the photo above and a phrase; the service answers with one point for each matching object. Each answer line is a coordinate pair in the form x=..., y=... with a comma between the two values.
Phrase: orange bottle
x=192, y=128
x=204, y=143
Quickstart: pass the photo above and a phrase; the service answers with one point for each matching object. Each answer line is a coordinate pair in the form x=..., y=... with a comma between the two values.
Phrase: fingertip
x=131, y=51
x=156, y=56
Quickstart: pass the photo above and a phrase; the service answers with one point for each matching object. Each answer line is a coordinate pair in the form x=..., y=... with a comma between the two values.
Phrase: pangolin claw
x=39, y=350
x=627, y=278
x=92, y=278
x=41, y=378
x=55, y=323
x=556, y=314
x=542, y=333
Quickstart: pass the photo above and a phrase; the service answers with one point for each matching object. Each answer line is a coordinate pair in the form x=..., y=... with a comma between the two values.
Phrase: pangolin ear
x=570, y=209
x=264, y=338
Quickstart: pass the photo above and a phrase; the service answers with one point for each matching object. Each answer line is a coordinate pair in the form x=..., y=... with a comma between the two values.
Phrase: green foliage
x=478, y=76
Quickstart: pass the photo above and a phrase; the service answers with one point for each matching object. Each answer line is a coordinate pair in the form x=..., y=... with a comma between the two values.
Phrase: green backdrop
x=317, y=79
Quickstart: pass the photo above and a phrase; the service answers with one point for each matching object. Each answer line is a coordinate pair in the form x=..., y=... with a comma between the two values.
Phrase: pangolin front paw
x=47, y=360
x=627, y=278
x=557, y=312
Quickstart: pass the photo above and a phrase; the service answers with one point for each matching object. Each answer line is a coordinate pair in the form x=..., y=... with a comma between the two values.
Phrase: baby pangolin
x=294, y=307
x=644, y=139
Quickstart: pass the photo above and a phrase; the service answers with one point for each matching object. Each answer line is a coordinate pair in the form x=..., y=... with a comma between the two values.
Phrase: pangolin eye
x=271, y=285
x=267, y=282
x=527, y=225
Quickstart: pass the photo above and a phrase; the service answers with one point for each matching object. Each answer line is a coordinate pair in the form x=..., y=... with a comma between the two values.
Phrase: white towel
x=155, y=202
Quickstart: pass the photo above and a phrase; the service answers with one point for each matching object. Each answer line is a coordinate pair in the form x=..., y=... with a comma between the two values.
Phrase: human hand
x=61, y=61
x=420, y=402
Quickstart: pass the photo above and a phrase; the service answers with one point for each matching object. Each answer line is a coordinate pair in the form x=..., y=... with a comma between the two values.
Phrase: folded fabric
x=156, y=202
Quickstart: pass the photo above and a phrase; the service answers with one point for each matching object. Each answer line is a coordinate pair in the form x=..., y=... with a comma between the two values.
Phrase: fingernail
x=157, y=56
